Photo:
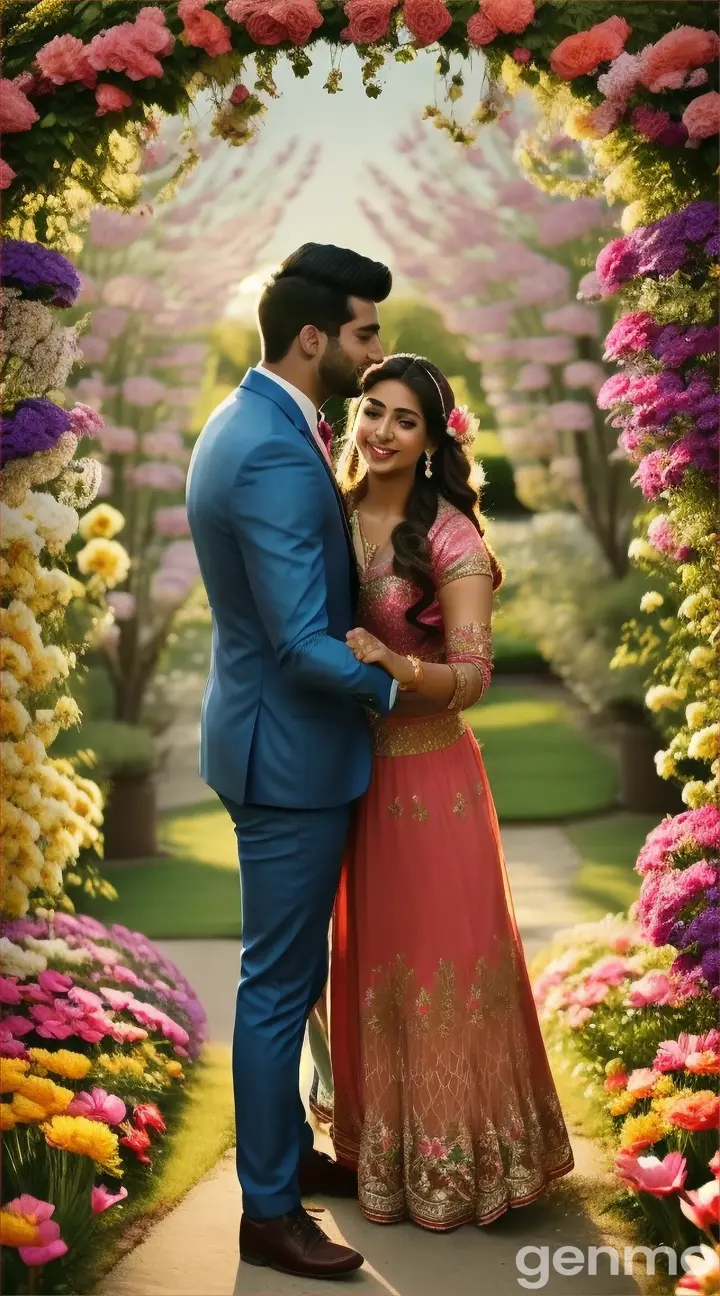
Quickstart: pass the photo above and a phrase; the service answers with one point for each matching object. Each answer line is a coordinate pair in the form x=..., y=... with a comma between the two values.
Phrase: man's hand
x=367, y=648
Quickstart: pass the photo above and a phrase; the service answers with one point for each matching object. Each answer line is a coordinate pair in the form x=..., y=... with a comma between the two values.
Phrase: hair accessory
x=462, y=426
x=428, y=464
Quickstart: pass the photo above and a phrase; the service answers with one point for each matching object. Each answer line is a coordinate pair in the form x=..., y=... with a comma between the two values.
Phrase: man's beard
x=337, y=372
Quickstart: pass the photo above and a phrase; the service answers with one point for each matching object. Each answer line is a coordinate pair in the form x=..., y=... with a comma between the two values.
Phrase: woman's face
x=390, y=428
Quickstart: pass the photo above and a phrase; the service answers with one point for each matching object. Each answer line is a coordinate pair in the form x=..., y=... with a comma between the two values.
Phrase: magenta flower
x=101, y=1200
x=665, y=893
x=86, y=998
x=9, y=991
x=652, y=989
x=118, y=999
x=651, y=1175
x=54, y=982
x=633, y=332
x=702, y=1207
x=98, y=1105
x=17, y=1025
x=48, y=1244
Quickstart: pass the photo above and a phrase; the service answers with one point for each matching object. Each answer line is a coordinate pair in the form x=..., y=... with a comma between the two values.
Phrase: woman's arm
x=466, y=606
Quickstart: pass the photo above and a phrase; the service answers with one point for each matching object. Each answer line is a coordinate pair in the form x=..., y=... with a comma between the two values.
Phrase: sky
x=354, y=131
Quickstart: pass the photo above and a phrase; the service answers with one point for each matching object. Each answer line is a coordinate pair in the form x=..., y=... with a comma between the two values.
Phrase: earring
x=428, y=464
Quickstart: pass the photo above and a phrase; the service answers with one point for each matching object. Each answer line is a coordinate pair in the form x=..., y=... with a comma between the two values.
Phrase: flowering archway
x=636, y=83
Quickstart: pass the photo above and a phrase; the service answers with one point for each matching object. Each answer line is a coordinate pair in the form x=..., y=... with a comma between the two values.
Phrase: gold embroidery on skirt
x=460, y=807
x=420, y=812
x=396, y=808
x=415, y=737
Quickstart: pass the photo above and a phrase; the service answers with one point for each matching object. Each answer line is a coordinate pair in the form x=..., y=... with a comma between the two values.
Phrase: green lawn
x=540, y=764
x=607, y=881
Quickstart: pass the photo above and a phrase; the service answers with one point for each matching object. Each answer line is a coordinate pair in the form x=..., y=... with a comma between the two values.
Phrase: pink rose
x=702, y=116
x=65, y=59
x=426, y=20
x=425, y=1147
x=583, y=51
x=369, y=20
x=204, y=30
x=99, y=1106
x=481, y=31
x=110, y=98
x=134, y=48
x=7, y=175
x=664, y=65
x=239, y=94
x=300, y=18
x=509, y=15
x=16, y=111
x=653, y=988
x=576, y=1016
x=261, y=27
x=522, y=54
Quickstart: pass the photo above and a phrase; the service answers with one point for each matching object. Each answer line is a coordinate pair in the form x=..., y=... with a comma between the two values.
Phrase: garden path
x=193, y=1251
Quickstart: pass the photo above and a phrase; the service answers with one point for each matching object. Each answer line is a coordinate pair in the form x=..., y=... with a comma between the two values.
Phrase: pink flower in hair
x=462, y=425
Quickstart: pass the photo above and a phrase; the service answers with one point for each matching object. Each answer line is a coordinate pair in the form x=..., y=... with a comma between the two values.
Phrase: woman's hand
x=368, y=649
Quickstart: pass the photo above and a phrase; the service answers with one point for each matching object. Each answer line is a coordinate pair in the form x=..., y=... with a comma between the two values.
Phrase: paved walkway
x=193, y=1252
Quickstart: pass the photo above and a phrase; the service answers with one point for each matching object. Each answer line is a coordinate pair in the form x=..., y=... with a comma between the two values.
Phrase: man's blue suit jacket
x=282, y=718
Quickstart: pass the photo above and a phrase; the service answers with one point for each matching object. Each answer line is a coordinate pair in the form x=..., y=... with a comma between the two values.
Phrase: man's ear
x=311, y=341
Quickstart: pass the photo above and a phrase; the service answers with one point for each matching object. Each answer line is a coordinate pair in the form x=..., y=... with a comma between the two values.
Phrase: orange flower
x=694, y=1111
x=705, y=1063
x=583, y=51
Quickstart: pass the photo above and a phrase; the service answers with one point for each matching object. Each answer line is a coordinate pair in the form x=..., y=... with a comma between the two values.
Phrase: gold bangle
x=416, y=682
x=457, y=701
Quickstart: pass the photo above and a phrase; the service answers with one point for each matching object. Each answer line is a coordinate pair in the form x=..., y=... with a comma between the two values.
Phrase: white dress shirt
x=308, y=409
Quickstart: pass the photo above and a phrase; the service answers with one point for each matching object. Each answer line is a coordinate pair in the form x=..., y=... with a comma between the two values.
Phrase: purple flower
x=700, y=220
x=35, y=425
x=665, y=893
x=39, y=272
x=674, y=345
x=711, y=966
x=704, y=929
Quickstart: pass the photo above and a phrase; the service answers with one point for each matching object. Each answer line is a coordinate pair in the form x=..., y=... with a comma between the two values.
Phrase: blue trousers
x=290, y=864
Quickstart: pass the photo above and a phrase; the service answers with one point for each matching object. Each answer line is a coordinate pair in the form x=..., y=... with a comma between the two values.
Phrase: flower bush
x=98, y=1029
x=640, y=1032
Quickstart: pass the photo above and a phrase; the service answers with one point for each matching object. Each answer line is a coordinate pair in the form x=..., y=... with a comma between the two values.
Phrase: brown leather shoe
x=295, y=1244
x=319, y=1174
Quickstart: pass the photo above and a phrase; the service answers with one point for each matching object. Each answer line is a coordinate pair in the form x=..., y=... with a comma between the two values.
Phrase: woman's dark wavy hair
x=450, y=476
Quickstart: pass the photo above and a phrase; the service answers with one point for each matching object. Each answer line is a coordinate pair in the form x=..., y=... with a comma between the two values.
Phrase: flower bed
x=98, y=1032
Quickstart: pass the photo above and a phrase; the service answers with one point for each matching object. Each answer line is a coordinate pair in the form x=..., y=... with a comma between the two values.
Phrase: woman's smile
x=381, y=453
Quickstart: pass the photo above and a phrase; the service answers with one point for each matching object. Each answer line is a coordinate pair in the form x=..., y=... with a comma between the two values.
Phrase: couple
x=351, y=627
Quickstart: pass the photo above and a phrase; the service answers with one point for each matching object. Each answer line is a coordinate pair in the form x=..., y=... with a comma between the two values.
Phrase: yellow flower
x=579, y=124
x=691, y=606
x=664, y=1087
x=13, y=1072
x=72, y=1066
x=697, y=794
x=640, y=1132
x=174, y=1070
x=85, y=1137
x=121, y=1065
x=651, y=601
x=633, y=215
x=665, y=764
x=701, y=657
x=661, y=697
x=26, y=1111
x=53, y=1097
x=705, y=743
x=103, y=521
x=8, y=1119
x=622, y=1104
x=16, y=1231
x=106, y=559
x=695, y=714
x=639, y=548
x=67, y=712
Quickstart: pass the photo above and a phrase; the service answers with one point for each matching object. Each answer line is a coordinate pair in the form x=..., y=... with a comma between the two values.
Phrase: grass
x=607, y=881
x=203, y=1133
x=191, y=891
x=541, y=765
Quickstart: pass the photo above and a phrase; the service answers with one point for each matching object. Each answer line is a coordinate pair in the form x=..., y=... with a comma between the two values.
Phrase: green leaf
x=373, y=91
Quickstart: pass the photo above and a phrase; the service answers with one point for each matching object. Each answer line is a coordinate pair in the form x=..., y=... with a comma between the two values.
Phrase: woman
x=443, y=1098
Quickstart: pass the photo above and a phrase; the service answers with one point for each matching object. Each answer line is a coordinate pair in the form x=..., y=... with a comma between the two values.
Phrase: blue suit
x=284, y=740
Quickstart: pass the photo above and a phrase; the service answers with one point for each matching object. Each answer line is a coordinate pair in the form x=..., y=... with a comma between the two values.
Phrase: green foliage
x=111, y=747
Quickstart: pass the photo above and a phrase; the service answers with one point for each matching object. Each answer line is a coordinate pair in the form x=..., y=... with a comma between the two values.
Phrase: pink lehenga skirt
x=443, y=1096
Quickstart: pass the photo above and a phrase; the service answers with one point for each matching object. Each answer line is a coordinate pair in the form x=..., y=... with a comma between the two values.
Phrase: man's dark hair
x=314, y=286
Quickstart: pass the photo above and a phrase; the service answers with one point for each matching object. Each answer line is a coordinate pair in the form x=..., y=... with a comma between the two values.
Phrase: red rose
x=427, y=20
x=369, y=20
x=260, y=26
x=239, y=95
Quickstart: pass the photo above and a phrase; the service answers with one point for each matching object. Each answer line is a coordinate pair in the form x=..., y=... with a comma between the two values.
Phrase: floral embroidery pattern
x=395, y=808
x=460, y=807
x=420, y=812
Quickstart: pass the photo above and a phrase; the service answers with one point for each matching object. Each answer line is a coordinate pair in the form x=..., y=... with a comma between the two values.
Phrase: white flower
x=695, y=714
x=701, y=657
x=639, y=548
x=705, y=743
x=691, y=606
x=662, y=697
x=651, y=601
x=17, y=962
x=696, y=794
x=55, y=521
x=58, y=949
x=665, y=764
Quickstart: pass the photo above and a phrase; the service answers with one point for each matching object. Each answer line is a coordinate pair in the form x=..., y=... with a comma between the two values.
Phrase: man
x=285, y=741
